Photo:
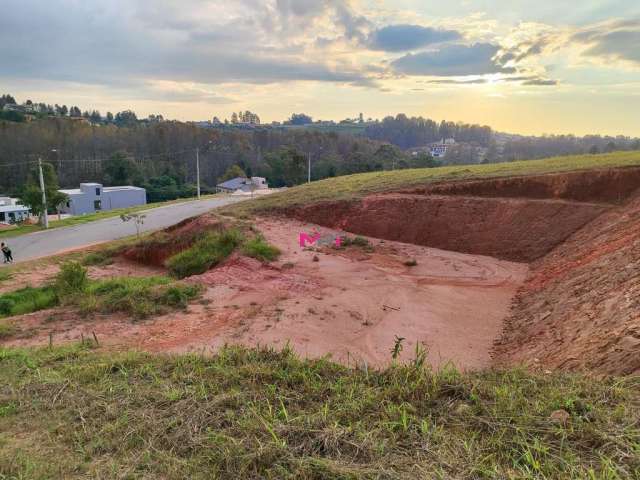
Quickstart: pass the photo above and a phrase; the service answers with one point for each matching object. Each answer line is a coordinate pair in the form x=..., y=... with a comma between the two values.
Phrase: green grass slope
x=354, y=186
x=74, y=413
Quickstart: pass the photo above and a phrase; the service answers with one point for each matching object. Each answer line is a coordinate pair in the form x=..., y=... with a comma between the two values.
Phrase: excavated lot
x=542, y=270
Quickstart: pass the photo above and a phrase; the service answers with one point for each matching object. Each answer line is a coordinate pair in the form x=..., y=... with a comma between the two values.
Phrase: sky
x=529, y=67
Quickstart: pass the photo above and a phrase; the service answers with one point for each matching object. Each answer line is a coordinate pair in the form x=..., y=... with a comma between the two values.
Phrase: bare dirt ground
x=349, y=304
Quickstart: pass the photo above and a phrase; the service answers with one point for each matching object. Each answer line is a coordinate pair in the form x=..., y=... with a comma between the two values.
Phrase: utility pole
x=45, y=218
x=309, y=170
x=198, y=170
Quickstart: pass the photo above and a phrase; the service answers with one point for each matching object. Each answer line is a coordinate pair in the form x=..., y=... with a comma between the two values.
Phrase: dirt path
x=350, y=304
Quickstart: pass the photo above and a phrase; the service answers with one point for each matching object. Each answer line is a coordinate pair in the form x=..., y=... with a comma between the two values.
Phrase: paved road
x=45, y=243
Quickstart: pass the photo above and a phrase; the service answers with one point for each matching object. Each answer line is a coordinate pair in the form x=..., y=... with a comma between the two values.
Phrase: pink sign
x=319, y=240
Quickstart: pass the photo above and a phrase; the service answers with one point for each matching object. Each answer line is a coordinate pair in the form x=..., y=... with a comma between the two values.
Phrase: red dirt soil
x=507, y=228
x=580, y=307
x=350, y=304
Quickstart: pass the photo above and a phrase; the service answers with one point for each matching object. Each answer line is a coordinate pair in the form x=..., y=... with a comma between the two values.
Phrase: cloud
x=400, y=38
x=612, y=41
x=131, y=41
x=452, y=60
x=541, y=82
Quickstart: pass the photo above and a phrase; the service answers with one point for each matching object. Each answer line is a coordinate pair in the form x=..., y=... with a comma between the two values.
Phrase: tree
x=594, y=150
x=31, y=195
x=120, y=170
x=136, y=218
x=286, y=167
x=232, y=172
x=609, y=147
x=299, y=119
x=109, y=117
x=126, y=118
x=635, y=145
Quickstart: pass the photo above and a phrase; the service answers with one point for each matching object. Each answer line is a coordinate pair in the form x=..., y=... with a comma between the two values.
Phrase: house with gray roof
x=243, y=184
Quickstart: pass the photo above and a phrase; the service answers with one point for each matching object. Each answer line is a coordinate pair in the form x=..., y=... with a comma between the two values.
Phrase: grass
x=351, y=187
x=73, y=413
x=81, y=219
x=205, y=253
x=27, y=300
x=138, y=297
x=5, y=274
x=258, y=248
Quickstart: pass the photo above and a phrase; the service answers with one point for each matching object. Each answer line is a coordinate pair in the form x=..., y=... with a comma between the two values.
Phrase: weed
x=99, y=259
x=258, y=248
x=205, y=253
x=72, y=279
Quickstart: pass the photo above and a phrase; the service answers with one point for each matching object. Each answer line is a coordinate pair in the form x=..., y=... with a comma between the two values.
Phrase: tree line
x=161, y=156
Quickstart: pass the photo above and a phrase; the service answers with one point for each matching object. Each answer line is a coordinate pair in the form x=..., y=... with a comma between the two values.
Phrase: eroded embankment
x=518, y=219
x=580, y=307
x=513, y=229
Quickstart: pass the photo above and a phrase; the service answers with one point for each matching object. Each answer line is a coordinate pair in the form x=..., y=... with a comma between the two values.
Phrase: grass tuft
x=138, y=297
x=27, y=300
x=205, y=253
x=258, y=248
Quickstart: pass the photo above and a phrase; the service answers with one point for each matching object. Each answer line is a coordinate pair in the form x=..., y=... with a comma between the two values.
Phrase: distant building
x=93, y=197
x=243, y=184
x=12, y=211
x=439, y=149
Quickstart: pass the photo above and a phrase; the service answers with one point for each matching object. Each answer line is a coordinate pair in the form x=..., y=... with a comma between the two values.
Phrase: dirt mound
x=166, y=243
x=580, y=307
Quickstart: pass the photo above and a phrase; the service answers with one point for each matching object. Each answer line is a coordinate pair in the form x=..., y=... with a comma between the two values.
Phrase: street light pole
x=45, y=218
x=309, y=170
x=198, y=170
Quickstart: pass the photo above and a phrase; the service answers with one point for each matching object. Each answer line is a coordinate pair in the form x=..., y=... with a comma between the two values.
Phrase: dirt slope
x=580, y=307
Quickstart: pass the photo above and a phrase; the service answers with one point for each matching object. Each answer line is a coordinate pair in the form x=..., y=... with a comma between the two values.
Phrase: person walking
x=8, y=256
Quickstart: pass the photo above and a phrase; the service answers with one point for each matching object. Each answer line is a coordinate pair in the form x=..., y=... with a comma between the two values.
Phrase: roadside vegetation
x=69, y=412
x=351, y=187
x=138, y=297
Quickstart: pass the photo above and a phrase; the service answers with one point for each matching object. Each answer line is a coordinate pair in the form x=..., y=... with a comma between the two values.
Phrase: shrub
x=72, y=279
x=258, y=248
x=205, y=253
x=357, y=241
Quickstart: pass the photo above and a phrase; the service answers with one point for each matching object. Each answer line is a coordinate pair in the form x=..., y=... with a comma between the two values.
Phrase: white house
x=439, y=149
x=243, y=184
x=12, y=211
x=93, y=197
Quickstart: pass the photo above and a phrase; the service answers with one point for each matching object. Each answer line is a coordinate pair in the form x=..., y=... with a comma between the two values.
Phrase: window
x=97, y=205
x=97, y=192
x=2, y=217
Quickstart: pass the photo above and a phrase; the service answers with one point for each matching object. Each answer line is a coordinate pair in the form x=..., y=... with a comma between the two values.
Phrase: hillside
x=476, y=322
x=351, y=187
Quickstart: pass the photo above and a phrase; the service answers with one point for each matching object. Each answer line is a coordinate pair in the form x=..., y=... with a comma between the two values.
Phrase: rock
x=559, y=416
x=316, y=258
